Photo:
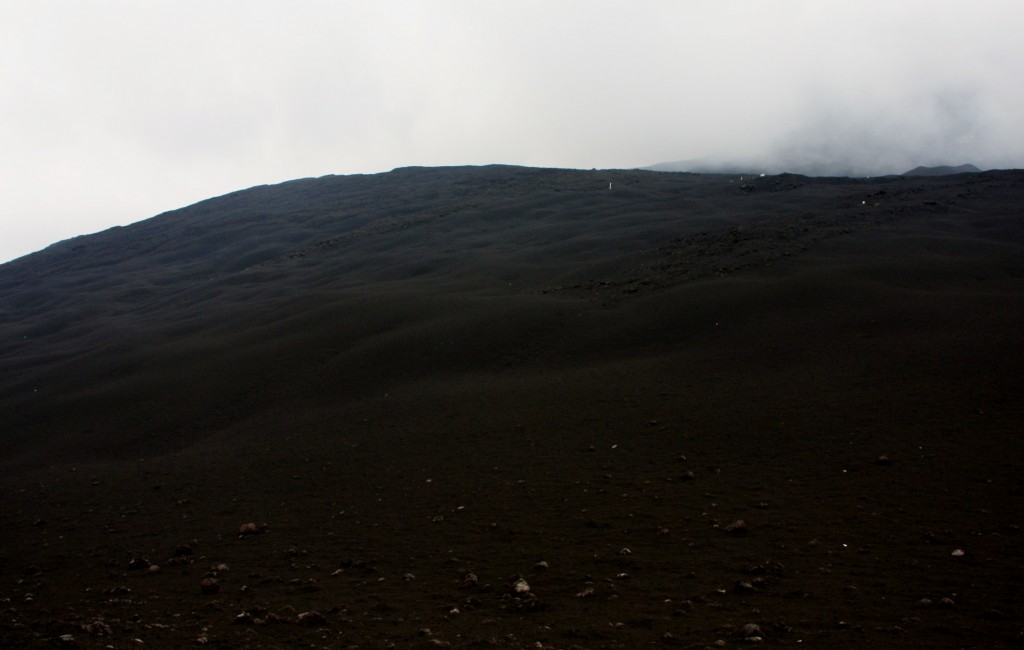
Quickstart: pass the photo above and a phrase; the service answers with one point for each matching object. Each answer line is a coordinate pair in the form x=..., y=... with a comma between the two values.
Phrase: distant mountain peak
x=942, y=170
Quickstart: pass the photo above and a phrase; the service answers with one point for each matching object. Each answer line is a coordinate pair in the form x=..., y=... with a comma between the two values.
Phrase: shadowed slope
x=438, y=372
x=205, y=312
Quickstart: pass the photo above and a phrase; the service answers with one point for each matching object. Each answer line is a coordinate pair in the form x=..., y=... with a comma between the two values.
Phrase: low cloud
x=121, y=110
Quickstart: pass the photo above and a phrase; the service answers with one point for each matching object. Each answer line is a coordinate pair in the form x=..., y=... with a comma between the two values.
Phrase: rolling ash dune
x=438, y=385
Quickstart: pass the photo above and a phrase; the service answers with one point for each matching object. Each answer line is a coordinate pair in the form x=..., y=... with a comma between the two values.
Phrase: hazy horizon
x=117, y=111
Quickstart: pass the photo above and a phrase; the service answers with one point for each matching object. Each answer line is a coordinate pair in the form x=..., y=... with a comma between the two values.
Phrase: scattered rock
x=250, y=529
x=947, y=603
x=738, y=527
x=751, y=630
x=586, y=593
x=743, y=587
x=97, y=628
x=311, y=618
x=520, y=586
x=209, y=586
x=541, y=566
x=958, y=553
x=245, y=618
x=470, y=580
x=883, y=460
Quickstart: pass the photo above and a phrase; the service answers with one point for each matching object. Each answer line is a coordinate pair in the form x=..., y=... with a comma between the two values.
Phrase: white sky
x=112, y=111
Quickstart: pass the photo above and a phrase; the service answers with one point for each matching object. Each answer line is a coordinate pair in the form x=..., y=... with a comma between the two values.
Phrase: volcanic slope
x=433, y=383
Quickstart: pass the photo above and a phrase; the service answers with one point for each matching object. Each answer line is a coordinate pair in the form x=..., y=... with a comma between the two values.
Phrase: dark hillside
x=438, y=372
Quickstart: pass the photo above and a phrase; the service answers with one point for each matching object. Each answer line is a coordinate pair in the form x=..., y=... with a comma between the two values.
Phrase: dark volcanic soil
x=514, y=408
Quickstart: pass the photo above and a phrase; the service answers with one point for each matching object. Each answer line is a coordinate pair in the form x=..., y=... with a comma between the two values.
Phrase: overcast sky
x=112, y=111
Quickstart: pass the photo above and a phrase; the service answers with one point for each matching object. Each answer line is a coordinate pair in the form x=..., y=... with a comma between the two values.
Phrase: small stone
x=884, y=460
x=947, y=603
x=470, y=580
x=66, y=639
x=541, y=566
x=738, y=527
x=925, y=602
x=209, y=586
x=154, y=568
x=97, y=628
x=720, y=643
x=743, y=587
x=220, y=568
x=249, y=529
x=750, y=630
x=311, y=618
x=586, y=593
x=958, y=553
x=520, y=586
